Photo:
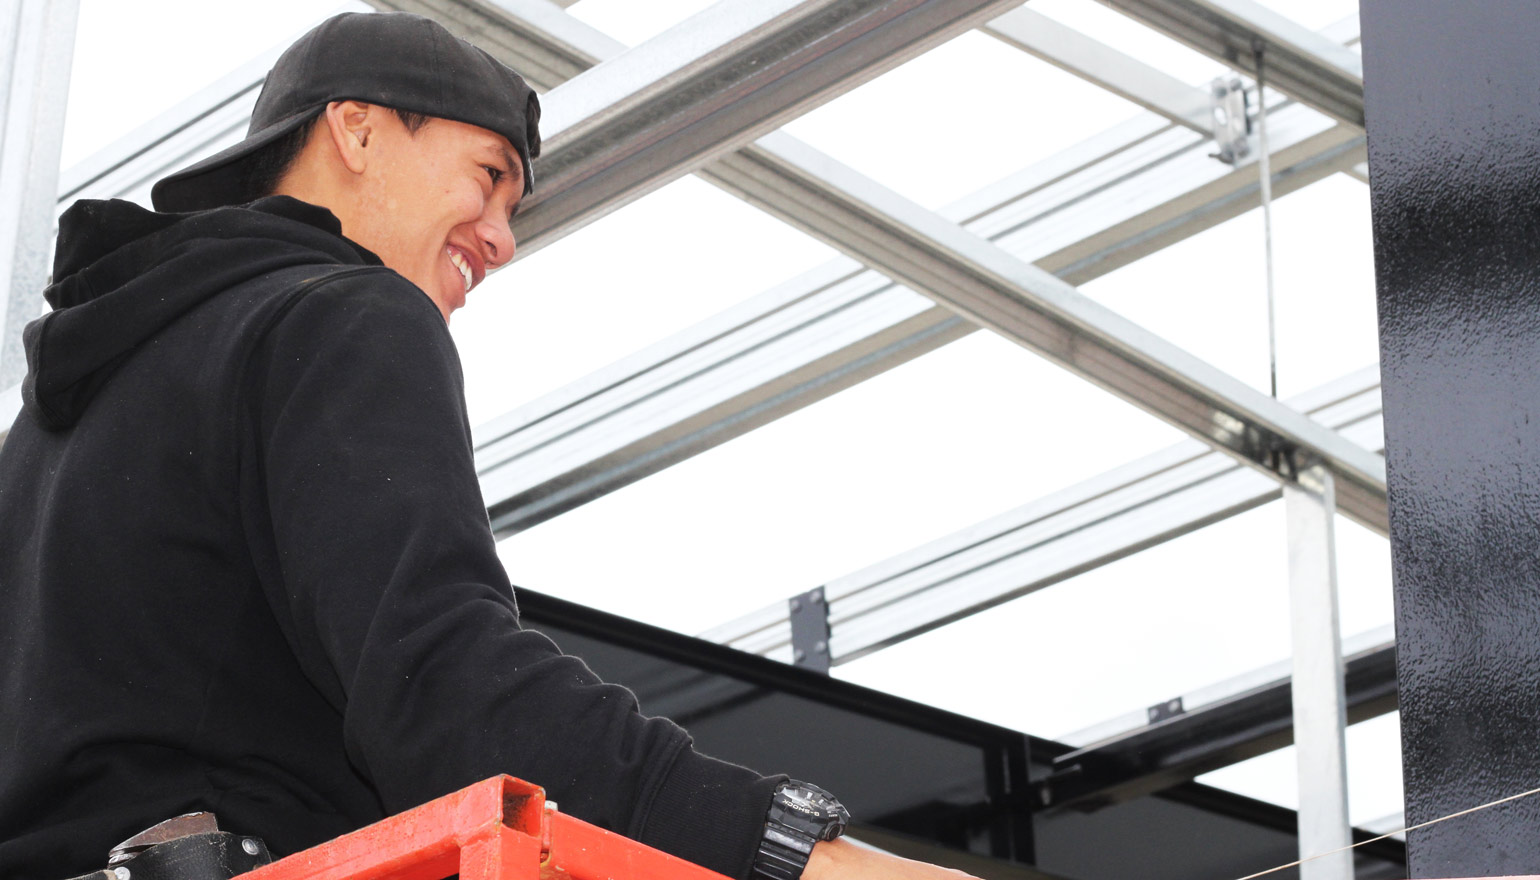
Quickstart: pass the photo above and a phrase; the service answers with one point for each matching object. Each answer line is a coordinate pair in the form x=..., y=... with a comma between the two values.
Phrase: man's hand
x=843, y=860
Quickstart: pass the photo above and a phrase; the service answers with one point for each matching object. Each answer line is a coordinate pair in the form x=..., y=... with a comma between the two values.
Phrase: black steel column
x=1453, y=105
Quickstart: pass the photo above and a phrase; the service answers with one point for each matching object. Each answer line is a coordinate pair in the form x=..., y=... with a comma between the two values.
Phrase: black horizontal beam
x=1187, y=745
x=929, y=783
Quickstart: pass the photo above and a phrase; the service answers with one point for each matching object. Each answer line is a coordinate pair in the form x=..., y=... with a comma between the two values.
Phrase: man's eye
x=496, y=173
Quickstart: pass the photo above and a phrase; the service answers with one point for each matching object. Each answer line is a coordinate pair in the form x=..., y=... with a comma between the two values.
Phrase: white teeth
x=465, y=269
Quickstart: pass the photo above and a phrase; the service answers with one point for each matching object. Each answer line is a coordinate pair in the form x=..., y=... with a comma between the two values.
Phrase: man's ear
x=350, y=123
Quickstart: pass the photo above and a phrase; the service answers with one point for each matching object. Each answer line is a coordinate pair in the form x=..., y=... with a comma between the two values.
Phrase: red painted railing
x=499, y=829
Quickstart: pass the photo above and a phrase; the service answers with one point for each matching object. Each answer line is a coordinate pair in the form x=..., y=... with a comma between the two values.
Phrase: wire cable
x=1264, y=165
x=1456, y=815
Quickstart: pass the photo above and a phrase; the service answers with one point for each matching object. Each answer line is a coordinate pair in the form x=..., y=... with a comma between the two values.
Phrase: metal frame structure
x=706, y=98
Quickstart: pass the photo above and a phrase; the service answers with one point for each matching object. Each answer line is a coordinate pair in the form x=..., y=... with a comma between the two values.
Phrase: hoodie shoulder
x=369, y=312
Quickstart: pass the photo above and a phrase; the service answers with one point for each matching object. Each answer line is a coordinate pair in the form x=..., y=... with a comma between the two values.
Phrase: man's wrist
x=799, y=817
x=826, y=859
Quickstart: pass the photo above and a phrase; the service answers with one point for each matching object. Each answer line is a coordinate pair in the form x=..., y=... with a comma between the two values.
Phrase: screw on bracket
x=1232, y=120
x=809, y=614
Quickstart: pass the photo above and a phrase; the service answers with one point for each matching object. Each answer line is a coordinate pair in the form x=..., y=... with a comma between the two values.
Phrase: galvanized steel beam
x=37, y=44
x=1103, y=66
x=714, y=83
x=1301, y=63
x=520, y=494
x=1154, y=499
x=1028, y=305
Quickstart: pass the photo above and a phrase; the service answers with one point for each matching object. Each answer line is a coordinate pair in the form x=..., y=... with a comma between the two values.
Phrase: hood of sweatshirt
x=123, y=272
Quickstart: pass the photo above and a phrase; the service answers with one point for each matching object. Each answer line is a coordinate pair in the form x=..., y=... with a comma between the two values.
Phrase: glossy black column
x=1453, y=105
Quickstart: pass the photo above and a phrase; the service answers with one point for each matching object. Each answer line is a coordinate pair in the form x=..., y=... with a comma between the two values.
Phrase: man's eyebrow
x=515, y=167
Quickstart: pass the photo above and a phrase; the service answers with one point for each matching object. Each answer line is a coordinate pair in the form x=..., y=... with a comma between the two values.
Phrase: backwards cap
x=396, y=60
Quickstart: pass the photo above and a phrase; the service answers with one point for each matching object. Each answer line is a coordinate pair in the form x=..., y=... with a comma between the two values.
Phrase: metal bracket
x=1169, y=709
x=810, y=630
x=1228, y=106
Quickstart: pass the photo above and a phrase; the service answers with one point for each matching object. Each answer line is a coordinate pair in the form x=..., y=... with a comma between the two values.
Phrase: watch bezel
x=800, y=816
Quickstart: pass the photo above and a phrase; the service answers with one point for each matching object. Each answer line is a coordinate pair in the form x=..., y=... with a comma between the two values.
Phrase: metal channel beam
x=1248, y=721
x=1154, y=499
x=1086, y=212
x=1101, y=65
x=1028, y=305
x=203, y=123
x=1301, y=63
x=37, y=44
x=617, y=426
x=711, y=84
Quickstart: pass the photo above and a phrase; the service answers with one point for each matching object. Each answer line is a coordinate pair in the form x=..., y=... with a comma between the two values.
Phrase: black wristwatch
x=800, y=815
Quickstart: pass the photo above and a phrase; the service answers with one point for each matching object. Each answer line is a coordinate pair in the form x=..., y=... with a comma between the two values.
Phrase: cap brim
x=221, y=179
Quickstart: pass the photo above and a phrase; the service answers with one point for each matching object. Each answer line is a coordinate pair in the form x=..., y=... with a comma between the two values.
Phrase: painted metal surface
x=498, y=829
x=1453, y=96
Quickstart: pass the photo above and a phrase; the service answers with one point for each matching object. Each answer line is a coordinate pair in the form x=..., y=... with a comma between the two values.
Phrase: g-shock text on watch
x=800, y=816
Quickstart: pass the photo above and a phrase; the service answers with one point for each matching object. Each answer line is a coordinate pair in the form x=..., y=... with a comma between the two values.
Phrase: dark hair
x=262, y=172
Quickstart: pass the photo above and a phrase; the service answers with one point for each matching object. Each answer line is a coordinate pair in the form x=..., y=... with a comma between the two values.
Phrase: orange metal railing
x=498, y=829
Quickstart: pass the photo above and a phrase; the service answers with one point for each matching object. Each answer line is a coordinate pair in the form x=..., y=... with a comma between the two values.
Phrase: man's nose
x=496, y=240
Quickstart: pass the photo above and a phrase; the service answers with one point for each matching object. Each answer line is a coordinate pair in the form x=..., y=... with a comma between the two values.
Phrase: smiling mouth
x=464, y=267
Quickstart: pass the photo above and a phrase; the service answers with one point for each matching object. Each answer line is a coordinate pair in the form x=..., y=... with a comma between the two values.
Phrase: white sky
x=971, y=430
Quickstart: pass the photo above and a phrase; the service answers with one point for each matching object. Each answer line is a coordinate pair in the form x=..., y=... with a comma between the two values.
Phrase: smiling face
x=434, y=205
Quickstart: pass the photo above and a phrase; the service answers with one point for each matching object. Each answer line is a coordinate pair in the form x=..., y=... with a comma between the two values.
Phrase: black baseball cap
x=392, y=59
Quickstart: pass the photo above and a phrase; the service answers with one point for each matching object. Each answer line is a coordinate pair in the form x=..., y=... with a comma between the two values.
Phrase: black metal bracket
x=1169, y=709
x=810, y=630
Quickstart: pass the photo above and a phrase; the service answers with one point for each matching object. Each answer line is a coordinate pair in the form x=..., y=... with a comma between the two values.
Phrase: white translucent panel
x=1132, y=38
x=963, y=433
x=632, y=22
x=1208, y=294
x=637, y=275
x=135, y=60
x=961, y=116
x=1373, y=773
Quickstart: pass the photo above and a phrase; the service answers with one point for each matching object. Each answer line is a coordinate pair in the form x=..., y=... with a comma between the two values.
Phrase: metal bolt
x=250, y=846
x=799, y=656
x=120, y=873
x=818, y=595
x=821, y=648
x=796, y=605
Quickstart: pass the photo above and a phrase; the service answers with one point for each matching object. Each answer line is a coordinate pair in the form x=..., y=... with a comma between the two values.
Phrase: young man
x=244, y=562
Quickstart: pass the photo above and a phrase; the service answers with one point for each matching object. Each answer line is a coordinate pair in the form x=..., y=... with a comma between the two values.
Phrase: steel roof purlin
x=1310, y=67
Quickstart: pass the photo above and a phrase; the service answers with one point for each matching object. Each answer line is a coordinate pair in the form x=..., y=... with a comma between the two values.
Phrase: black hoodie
x=245, y=566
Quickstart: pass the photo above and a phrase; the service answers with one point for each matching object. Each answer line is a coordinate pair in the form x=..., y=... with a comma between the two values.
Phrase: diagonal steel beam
x=1028, y=305
x=711, y=84
x=1146, y=502
x=1128, y=238
x=1299, y=62
x=530, y=472
x=1101, y=65
x=1081, y=213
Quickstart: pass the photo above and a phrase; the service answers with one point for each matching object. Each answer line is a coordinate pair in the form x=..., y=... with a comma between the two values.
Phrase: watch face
x=816, y=806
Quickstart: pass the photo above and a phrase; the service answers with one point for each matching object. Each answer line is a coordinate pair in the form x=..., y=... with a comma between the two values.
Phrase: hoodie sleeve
x=399, y=609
